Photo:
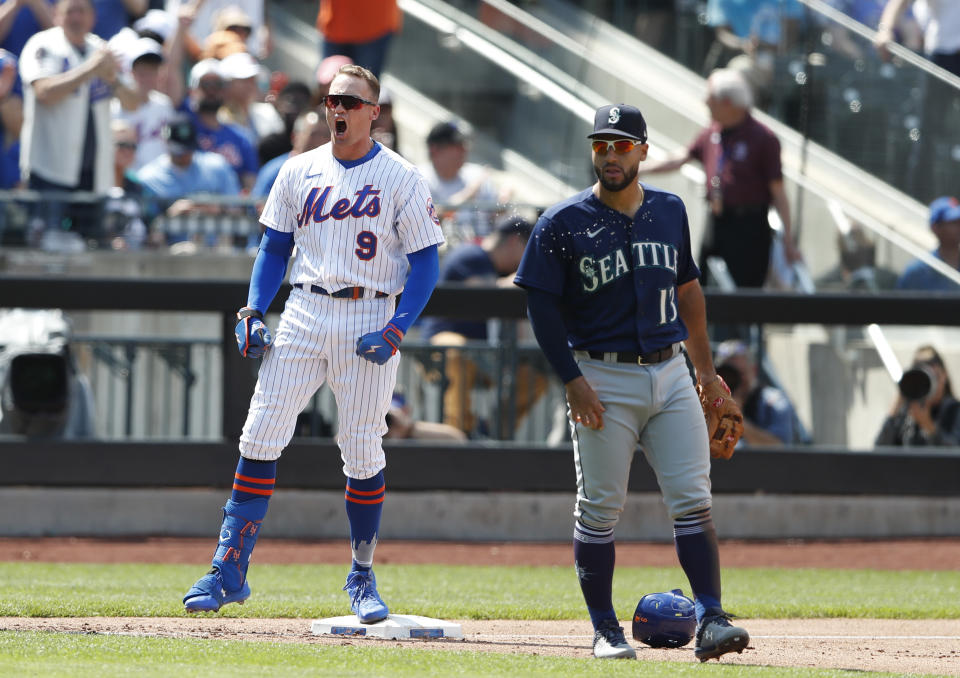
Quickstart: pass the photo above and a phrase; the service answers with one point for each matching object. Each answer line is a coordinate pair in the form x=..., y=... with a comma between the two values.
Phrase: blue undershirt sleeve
x=545, y=315
x=269, y=268
x=424, y=273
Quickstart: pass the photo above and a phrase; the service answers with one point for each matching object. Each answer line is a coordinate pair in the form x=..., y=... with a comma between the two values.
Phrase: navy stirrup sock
x=594, y=554
x=364, y=502
x=699, y=555
x=253, y=479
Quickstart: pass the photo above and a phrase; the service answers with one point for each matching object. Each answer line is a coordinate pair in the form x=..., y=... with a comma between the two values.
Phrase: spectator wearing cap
x=204, y=102
x=741, y=158
x=210, y=16
x=156, y=24
x=22, y=19
x=231, y=36
x=112, y=15
x=493, y=261
x=241, y=108
x=768, y=416
x=69, y=75
x=185, y=171
x=945, y=224
x=454, y=181
x=11, y=120
x=359, y=30
x=155, y=108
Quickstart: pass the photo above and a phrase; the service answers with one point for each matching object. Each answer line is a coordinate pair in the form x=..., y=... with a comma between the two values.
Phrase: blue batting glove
x=253, y=336
x=378, y=347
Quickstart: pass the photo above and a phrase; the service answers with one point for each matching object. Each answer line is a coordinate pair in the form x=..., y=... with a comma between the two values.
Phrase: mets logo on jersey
x=432, y=211
x=366, y=203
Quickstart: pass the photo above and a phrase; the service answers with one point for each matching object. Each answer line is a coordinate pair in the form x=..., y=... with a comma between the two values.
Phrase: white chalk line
x=502, y=636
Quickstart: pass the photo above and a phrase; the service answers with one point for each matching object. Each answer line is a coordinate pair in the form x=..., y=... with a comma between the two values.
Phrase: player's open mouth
x=340, y=127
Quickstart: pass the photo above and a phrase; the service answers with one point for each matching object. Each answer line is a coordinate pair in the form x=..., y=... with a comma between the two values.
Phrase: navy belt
x=635, y=358
x=345, y=293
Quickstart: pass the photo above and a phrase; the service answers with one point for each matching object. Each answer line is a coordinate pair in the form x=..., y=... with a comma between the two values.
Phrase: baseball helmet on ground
x=665, y=619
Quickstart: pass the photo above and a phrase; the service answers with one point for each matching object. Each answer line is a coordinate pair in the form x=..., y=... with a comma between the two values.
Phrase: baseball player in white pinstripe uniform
x=365, y=229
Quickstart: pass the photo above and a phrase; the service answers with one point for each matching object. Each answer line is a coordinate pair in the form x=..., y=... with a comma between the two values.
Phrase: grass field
x=451, y=592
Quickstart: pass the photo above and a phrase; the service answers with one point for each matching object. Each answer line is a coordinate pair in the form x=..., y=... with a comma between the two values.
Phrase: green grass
x=59, y=655
x=459, y=592
x=302, y=591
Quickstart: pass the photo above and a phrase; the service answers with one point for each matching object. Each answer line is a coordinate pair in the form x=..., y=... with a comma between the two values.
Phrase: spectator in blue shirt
x=185, y=172
x=20, y=19
x=309, y=131
x=768, y=415
x=945, y=224
x=205, y=99
x=112, y=15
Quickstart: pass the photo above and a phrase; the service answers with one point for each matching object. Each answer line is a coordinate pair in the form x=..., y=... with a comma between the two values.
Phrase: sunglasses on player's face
x=348, y=101
x=603, y=146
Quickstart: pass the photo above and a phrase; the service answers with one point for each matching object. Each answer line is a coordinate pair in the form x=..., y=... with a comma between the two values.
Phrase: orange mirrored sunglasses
x=603, y=146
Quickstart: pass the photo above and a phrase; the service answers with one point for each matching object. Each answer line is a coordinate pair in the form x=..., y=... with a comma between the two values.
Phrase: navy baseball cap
x=944, y=209
x=446, y=133
x=622, y=120
x=180, y=134
x=514, y=224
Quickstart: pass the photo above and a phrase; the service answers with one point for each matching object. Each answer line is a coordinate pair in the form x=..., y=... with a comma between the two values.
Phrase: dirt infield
x=896, y=646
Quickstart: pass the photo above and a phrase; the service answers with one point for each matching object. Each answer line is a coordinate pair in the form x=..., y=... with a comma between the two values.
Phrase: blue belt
x=345, y=293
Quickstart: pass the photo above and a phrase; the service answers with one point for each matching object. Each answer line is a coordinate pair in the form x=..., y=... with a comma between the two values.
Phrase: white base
x=394, y=626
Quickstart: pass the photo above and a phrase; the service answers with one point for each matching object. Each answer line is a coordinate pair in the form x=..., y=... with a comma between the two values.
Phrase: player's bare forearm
x=693, y=311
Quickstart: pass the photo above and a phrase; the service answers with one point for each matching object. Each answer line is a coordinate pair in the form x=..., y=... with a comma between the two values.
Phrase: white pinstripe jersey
x=353, y=222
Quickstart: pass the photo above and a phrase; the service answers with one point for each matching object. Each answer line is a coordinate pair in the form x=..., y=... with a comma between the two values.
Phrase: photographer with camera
x=925, y=412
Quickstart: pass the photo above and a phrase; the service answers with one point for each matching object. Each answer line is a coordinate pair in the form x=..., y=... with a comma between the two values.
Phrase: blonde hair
x=364, y=74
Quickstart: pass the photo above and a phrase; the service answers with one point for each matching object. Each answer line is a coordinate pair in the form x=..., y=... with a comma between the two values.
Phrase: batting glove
x=253, y=337
x=378, y=347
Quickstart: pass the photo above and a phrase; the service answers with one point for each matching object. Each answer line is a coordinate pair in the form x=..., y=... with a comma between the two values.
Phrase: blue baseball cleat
x=365, y=602
x=209, y=595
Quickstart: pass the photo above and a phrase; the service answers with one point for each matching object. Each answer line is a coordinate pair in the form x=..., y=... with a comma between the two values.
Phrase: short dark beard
x=629, y=177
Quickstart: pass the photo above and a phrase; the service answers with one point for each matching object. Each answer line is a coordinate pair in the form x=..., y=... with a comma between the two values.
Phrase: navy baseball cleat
x=365, y=602
x=208, y=594
x=610, y=643
x=717, y=636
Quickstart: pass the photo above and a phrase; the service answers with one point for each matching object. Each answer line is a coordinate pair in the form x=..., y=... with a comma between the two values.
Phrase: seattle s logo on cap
x=614, y=117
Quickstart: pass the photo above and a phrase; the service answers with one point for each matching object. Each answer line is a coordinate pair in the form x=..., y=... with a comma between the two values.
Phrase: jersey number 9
x=366, y=245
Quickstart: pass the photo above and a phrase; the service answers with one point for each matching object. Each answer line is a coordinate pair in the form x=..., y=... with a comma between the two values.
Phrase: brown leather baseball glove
x=724, y=419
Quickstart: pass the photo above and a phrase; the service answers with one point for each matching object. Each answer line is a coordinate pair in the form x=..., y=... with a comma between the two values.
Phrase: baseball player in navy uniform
x=365, y=230
x=616, y=306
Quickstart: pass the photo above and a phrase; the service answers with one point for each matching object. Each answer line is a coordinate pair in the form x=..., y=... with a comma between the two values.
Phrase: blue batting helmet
x=665, y=619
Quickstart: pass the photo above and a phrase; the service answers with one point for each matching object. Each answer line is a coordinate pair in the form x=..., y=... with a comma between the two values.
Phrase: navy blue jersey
x=617, y=277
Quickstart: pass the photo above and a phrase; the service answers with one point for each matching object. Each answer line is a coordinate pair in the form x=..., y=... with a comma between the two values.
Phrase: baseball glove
x=724, y=419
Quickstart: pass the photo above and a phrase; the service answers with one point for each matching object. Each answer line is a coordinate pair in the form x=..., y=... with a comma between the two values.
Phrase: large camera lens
x=917, y=383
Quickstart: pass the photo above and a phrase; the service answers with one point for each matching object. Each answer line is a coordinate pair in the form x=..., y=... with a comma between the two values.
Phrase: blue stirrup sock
x=696, y=541
x=594, y=554
x=364, y=503
x=242, y=517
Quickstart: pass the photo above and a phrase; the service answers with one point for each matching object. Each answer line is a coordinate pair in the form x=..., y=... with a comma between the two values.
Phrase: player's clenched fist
x=378, y=347
x=253, y=336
